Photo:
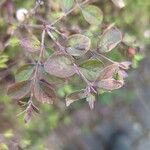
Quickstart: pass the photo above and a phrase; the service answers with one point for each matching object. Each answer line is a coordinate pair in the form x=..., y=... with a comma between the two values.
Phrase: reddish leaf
x=43, y=92
x=30, y=44
x=125, y=65
x=60, y=65
x=108, y=72
x=109, y=84
x=109, y=40
x=19, y=90
x=75, y=96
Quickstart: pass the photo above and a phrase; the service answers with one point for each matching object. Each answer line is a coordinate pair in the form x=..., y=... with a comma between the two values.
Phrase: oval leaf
x=75, y=96
x=109, y=40
x=30, y=44
x=50, y=78
x=108, y=72
x=24, y=72
x=78, y=44
x=60, y=65
x=44, y=93
x=19, y=90
x=92, y=14
x=91, y=68
x=109, y=84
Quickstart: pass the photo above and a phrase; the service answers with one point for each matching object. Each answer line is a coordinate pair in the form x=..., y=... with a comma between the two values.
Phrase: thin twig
x=70, y=11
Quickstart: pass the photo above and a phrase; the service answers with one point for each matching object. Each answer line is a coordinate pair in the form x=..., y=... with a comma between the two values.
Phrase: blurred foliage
x=133, y=20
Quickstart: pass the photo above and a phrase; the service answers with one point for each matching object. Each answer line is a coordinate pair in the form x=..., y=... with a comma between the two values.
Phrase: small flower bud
x=21, y=14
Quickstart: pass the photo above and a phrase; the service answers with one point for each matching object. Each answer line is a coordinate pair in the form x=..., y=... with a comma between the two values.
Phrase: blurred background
x=120, y=120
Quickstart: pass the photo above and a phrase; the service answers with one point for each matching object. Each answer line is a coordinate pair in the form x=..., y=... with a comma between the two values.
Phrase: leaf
x=92, y=14
x=119, y=3
x=91, y=68
x=91, y=99
x=19, y=90
x=60, y=65
x=24, y=72
x=49, y=78
x=66, y=5
x=78, y=44
x=109, y=40
x=30, y=44
x=43, y=92
x=125, y=65
x=108, y=72
x=109, y=84
x=75, y=96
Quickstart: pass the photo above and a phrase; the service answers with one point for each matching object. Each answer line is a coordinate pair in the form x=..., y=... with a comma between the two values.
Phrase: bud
x=21, y=14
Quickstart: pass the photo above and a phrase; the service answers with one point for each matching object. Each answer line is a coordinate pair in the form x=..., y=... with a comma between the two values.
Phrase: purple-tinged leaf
x=30, y=44
x=60, y=65
x=109, y=84
x=19, y=90
x=125, y=65
x=123, y=74
x=75, y=96
x=43, y=92
x=109, y=40
x=108, y=72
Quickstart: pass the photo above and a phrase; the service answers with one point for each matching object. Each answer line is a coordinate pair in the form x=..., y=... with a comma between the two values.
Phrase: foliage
x=71, y=54
x=132, y=19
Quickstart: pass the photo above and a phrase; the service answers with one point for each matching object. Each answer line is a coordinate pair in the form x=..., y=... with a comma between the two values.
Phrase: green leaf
x=75, y=96
x=66, y=5
x=91, y=68
x=109, y=40
x=3, y=60
x=92, y=14
x=91, y=63
x=78, y=45
x=60, y=65
x=44, y=92
x=24, y=72
x=19, y=90
x=13, y=41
